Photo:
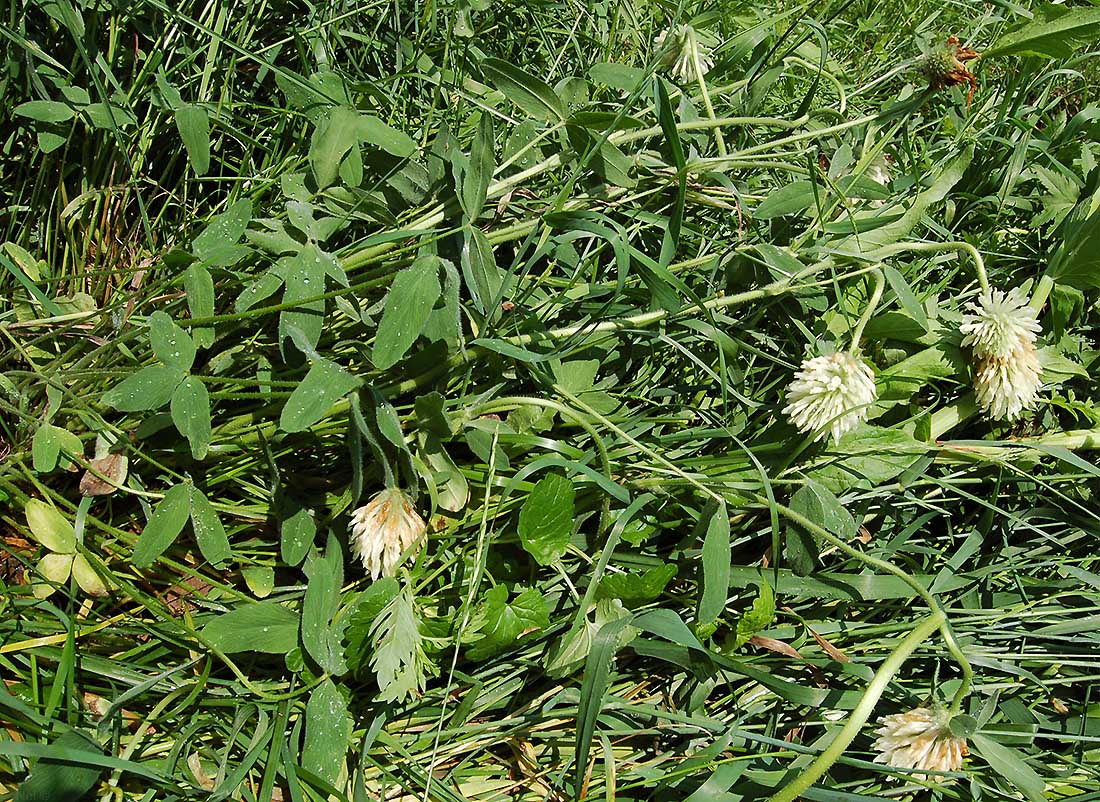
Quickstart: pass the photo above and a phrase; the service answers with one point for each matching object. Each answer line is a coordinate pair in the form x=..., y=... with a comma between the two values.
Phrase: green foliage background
x=262, y=259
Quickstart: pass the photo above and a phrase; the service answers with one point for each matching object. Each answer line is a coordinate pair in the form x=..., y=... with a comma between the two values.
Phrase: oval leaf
x=49, y=527
x=209, y=531
x=191, y=414
x=149, y=388
x=408, y=306
x=164, y=526
x=546, y=520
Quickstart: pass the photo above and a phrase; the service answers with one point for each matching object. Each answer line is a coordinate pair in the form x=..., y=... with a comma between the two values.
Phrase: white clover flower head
x=1006, y=386
x=385, y=529
x=682, y=45
x=920, y=739
x=831, y=391
x=879, y=171
x=998, y=323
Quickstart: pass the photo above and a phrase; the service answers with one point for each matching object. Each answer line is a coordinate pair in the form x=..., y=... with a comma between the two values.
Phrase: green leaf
x=409, y=303
x=199, y=286
x=164, y=526
x=50, y=443
x=49, y=527
x=304, y=274
x=635, y=589
x=526, y=91
x=191, y=413
x=365, y=610
x=867, y=457
x=209, y=532
x=149, y=388
x=546, y=520
x=217, y=243
x=398, y=659
x=1011, y=766
x=1076, y=261
x=757, y=617
x=375, y=132
x=617, y=76
x=1056, y=32
x=716, y=567
x=820, y=506
x=171, y=344
x=45, y=111
x=323, y=386
x=266, y=627
x=54, y=779
x=503, y=624
x=328, y=731
x=194, y=127
x=320, y=640
x=337, y=133
x=86, y=577
x=296, y=535
x=791, y=199
x=479, y=172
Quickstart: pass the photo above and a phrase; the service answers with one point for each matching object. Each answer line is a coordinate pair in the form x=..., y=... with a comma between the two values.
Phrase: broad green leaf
x=149, y=388
x=479, y=171
x=167, y=521
x=50, y=443
x=209, y=532
x=108, y=116
x=260, y=580
x=217, y=243
x=57, y=779
x=199, y=285
x=409, y=303
x=266, y=627
x=328, y=731
x=332, y=139
x=304, y=275
x=504, y=624
x=190, y=409
x=322, y=599
x=526, y=91
x=171, y=344
x=375, y=132
x=1010, y=765
x=716, y=560
x=866, y=457
x=757, y=617
x=617, y=76
x=1076, y=261
x=546, y=520
x=485, y=281
x=791, y=199
x=45, y=111
x=87, y=578
x=635, y=589
x=55, y=570
x=194, y=127
x=49, y=527
x=296, y=534
x=323, y=386
x=1056, y=32
x=820, y=506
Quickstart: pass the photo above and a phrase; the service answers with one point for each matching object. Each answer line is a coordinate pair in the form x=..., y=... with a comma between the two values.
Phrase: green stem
x=693, y=43
x=939, y=247
x=863, y=710
x=876, y=295
x=933, y=603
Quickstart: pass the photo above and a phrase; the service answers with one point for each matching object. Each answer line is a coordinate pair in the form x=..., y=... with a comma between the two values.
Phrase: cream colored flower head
x=999, y=323
x=920, y=739
x=1001, y=329
x=682, y=46
x=384, y=530
x=831, y=394
x=1006, y=386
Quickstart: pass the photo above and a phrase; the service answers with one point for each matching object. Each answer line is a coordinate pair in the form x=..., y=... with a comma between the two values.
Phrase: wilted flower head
x=681, y=45
x=384, y=529
x=920, y=739
x=833, y=391
x=1006, y=386
x=999, y=323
